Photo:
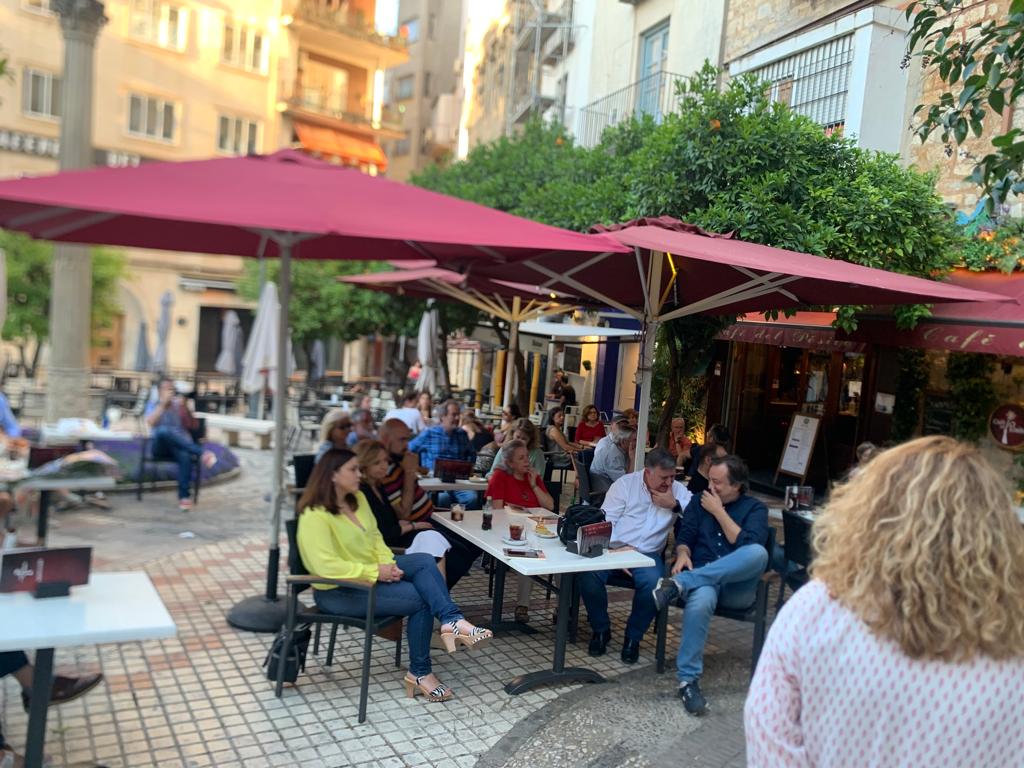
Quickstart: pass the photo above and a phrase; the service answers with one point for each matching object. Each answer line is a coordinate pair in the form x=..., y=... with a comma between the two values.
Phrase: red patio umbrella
x=677, y=269
x=269, y=205
x=500, y=298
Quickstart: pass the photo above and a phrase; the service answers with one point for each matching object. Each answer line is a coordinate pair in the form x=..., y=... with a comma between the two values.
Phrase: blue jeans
x=171, y=445
x=421, y=595
x=733, y=581
x=594, y=592
x=468, y=499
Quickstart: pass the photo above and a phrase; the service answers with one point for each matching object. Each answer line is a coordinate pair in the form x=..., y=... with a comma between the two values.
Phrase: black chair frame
x=796, y=545
x=299, y=580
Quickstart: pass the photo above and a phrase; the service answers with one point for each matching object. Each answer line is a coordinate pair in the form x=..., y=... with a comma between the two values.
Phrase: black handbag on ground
x=576, y=517
x=296, y=660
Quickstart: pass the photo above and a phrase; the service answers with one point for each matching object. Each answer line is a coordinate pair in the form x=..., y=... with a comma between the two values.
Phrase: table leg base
x=529, y=681
x=505, y=627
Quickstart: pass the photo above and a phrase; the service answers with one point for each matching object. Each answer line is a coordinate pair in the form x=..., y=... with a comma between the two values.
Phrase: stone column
x=71, y=283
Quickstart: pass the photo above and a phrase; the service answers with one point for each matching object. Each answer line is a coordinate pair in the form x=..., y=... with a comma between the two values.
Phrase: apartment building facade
x=426, y=91
x=181, y=80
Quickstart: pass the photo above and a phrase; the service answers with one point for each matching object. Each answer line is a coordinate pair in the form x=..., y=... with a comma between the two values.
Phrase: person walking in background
x=907, y=646
x=172, y=423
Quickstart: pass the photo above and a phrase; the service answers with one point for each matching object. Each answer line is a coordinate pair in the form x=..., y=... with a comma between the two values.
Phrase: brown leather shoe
x=66, y=689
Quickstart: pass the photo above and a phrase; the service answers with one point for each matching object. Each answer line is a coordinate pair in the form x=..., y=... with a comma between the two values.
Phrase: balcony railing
x=327, y=14
x=312, y=100
x=656, y=95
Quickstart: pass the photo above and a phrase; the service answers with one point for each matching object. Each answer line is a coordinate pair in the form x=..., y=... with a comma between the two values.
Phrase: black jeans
x=10, y=661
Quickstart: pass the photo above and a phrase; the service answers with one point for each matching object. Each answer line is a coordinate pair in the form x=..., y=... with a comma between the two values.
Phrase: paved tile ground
x=201, y=699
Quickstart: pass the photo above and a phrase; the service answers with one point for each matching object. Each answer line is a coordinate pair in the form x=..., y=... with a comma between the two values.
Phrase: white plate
x=515, y=542
x=549, y=536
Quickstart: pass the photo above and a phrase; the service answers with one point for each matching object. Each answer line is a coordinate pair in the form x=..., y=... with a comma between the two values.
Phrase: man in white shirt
x=641, y=506
x=409, y=414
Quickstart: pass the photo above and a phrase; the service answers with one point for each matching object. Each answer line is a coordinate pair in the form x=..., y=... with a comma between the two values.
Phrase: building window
x=160, y=23
x=410, y=30
x=404, y=87
x=813, y=82
x=152, y=118
x=244, y=47
x=238, y=135
x=653, y=57
x=41, y=94
x=401, y=147
x=39, y=6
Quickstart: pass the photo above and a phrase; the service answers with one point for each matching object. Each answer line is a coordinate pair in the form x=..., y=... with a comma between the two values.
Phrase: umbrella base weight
x=257, y=614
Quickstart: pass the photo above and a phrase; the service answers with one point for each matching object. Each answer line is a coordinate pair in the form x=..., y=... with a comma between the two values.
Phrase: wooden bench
x=233, y=425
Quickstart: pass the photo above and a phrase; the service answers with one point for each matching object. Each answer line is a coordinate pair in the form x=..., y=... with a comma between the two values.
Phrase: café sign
x=1006, y=425
x=789, y=336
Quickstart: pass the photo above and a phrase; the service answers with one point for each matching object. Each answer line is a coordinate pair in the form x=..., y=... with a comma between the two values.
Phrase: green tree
x=981, y=66
x=727, y=160
x=29, y=266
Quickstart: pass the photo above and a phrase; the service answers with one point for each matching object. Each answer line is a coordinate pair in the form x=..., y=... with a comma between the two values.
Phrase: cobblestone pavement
x=201, y=699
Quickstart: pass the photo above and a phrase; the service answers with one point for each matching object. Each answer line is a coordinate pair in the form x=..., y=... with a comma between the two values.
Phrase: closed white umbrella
x=318, y=361
x=143, y=360
x=230, y=358
x=163, y=330
x=426, y=350
x=260, y=359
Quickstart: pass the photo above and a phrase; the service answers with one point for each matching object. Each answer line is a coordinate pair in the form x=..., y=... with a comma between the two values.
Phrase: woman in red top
x=517, y=482
x=591, y=428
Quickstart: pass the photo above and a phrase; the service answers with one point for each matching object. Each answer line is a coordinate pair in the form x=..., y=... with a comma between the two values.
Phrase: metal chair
x=298, y=580
x=756, y=614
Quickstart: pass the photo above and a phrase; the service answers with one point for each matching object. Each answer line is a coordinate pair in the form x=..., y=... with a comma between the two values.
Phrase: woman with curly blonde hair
x=907, y=647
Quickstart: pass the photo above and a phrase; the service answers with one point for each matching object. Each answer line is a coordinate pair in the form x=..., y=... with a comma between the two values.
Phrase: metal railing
x=327, y=13
x=310, y=100
x=656, y=94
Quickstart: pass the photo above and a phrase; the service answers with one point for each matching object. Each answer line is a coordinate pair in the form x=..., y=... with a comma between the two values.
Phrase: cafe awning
x=329, y=142
x=995, y=328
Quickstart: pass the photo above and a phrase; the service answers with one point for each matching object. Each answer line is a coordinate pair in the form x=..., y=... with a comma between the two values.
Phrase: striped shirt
x=394, y=481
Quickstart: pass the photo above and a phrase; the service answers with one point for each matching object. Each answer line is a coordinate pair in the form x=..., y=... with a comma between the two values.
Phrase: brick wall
x=954, y=166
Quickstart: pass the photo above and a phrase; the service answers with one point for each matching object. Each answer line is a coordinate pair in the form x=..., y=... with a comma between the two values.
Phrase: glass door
x=653, y=55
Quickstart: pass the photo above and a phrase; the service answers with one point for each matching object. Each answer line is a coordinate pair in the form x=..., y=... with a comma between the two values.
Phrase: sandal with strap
x=440, y=693
x=452, y=636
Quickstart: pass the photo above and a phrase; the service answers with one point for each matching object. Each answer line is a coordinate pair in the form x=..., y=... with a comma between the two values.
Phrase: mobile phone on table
x=532, y=553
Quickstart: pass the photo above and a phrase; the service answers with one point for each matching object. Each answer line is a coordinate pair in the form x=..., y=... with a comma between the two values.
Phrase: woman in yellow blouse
x=338, y=539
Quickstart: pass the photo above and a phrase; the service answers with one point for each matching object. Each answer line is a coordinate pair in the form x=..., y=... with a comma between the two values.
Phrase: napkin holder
x=595, y=549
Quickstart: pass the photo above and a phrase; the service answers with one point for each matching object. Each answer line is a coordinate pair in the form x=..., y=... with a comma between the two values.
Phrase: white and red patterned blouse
x=829, y=693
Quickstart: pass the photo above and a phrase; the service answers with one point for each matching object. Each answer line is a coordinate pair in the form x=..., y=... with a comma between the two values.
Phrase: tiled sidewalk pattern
x=201, y=699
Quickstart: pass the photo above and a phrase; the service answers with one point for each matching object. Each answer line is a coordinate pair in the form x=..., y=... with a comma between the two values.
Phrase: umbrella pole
x=513, y=351
x=651, y=324
x=266, y=612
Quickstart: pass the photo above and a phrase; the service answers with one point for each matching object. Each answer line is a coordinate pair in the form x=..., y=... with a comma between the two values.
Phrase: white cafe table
x=111, y=608
x=556, y=560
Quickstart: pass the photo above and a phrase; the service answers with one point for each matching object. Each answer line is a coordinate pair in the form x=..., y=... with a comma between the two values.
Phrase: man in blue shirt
x=171, y=421
x=445, y=440
x=720, y=557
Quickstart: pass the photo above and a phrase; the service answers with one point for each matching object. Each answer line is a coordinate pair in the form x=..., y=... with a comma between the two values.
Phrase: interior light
x=287, y=19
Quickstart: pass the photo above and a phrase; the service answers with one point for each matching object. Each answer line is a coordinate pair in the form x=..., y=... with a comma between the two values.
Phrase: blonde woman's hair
x=331, y=418
x=368, y=452
x=925, y=546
